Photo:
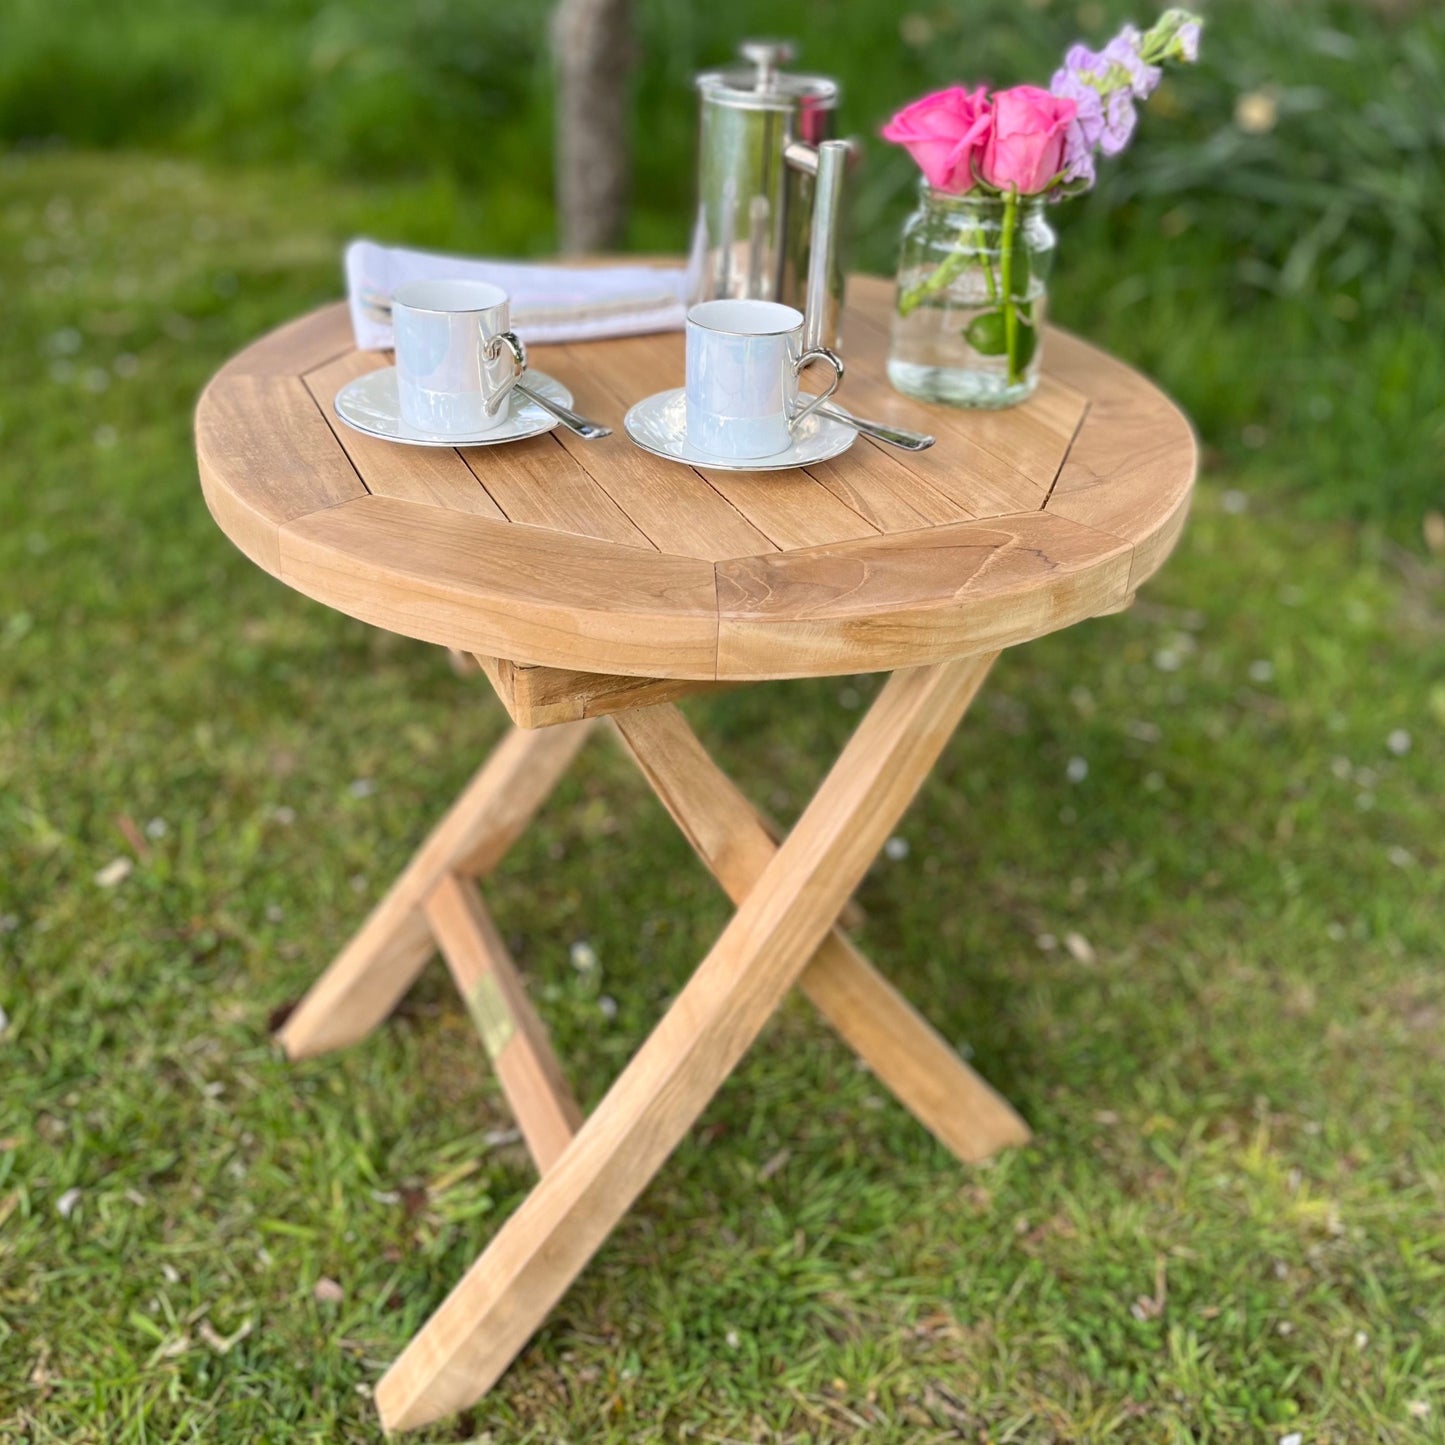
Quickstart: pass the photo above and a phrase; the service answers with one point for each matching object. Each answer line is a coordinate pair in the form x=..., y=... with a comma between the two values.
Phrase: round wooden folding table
x=593, y=579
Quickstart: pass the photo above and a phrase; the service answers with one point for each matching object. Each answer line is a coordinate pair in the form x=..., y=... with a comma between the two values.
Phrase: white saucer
x=659, y=425
x=370, y=405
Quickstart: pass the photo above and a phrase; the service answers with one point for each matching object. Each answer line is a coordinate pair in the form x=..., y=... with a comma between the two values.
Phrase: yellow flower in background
x=1256, y=112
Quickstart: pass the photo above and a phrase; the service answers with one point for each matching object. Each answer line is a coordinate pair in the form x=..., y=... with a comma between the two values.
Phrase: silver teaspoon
x=895, y=436
x=587, y=430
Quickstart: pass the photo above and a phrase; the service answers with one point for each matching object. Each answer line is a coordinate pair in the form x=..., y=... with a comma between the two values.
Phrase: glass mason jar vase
x=972, y=291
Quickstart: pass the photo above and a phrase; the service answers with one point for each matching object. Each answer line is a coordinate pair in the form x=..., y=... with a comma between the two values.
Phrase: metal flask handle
x=827, y=163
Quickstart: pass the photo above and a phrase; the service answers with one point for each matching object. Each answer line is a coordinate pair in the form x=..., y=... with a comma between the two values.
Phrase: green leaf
x=985, y=333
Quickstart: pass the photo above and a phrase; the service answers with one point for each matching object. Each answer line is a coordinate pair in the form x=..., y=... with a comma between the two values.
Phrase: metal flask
x=770, y=189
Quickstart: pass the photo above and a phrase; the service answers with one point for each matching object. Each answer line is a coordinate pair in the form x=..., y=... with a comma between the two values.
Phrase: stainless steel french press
x=770, y=181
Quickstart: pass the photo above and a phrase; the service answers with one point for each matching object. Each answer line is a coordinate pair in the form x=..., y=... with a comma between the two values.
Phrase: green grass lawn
x=1176, y=888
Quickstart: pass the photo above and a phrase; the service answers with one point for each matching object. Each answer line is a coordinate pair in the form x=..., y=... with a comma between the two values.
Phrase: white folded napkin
x=549, y=303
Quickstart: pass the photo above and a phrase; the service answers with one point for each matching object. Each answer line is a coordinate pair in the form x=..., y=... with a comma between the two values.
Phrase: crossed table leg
x=789, y=897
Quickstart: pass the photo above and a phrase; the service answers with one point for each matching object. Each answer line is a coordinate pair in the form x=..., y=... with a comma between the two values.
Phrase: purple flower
x=1078, y=153
x=1069, y=84
x=1086, y=129
x=1104, y=86
x=1103, y=123
x=1083, y=68
x=1123, y=51
x=1119, y=119
x=1119, y=63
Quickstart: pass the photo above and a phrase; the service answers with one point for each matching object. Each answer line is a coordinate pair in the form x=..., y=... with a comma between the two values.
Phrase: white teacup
x=456, y=359
x=743, y=363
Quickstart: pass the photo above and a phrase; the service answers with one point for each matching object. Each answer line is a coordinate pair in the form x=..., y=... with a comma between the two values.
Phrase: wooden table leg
x=540, y=1097
x=367, y=979
x=538, y=1252
x=943, y=1093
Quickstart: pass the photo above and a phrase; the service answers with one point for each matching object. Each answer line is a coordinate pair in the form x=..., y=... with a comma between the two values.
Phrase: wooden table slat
x=961, y=466
x=536, y=483
x=865, y=603
x=671, y=504
x=1031, y=438
x=267, y=428
x=433, y=475
x=474, y=584
x=790, y=508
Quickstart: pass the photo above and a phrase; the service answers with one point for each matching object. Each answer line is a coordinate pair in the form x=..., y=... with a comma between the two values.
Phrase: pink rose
x=1026, y=146
x=943, y=132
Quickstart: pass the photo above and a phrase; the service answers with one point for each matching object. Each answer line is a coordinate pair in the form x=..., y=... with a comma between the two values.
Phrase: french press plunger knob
x=767, y=55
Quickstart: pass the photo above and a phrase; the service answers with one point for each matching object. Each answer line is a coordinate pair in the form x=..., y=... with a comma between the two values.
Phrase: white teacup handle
x=818, y=353
x=510, y=341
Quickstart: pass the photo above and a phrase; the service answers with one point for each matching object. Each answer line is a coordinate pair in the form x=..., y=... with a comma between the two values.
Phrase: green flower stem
x=981, y=247
x=1006, y=276
x=933, y=283
x=957, y=262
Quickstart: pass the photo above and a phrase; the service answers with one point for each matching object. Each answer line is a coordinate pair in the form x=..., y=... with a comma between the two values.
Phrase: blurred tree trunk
x=592, y=44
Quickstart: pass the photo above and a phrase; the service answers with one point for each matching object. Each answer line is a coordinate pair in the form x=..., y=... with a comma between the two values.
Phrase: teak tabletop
x=592, y=578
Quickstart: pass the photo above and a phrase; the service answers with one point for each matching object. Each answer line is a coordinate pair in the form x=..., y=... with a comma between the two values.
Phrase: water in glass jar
x=932, y=358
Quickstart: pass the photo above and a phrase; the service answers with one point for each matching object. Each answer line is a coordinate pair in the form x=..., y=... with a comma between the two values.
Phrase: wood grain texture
x=541, y=697
x=1132, y=457
x=608, y=561
x=672, y=505
x=367, y=979
x=870, y=480
x=434, y=476
x=945, y=592
x=539, y=484
x=542, y=1247
x=969, y=464
x=852, y=917
x=1131, y=470
x=532, y=1080
x=881, y=488
x=267, y=428
x=498, y=589
x=1031, y=438
x=957, y=1106
x=928, y=1078
x=790, y=509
